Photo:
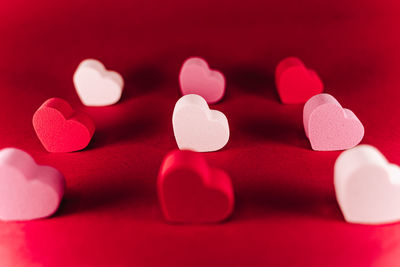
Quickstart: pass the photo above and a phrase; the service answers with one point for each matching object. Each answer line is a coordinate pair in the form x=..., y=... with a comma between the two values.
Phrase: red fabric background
x=286, y=213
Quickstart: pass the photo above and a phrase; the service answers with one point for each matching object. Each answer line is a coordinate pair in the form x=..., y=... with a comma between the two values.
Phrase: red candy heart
x=191, y=192
x=60, y=128
x=295, y=83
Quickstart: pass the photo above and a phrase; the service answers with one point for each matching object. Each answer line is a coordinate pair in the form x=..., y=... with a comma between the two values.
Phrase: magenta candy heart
x=295, y=82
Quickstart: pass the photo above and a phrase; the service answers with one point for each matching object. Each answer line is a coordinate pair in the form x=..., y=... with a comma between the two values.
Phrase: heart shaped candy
x=198, y=128
x=367, y=186
x=197, y=78
x=191, y=192
x=60, y=128
x=27, y=191
x=295, y=83
x=328, y=126
x=97, y=86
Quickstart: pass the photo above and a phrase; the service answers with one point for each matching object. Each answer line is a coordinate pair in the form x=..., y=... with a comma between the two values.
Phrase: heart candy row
x=327, y=125
x=97, y=86
x=196, y=127
x=190, y=191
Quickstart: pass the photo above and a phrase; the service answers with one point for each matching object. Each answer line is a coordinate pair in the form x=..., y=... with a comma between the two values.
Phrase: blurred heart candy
x=192, y=192
x=97, y=86
x=295, y=83
x=27, y=191
x=197, y=78
x=367, y=186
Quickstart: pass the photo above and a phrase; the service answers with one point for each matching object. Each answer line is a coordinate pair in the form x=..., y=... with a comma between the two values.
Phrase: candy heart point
x=190, y=191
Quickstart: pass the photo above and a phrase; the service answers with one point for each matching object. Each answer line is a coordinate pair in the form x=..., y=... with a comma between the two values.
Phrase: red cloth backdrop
x=286, y=213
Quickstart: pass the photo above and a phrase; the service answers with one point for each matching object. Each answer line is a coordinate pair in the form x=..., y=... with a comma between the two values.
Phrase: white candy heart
x=97, y=86
x=367, y=186
x=198, y=128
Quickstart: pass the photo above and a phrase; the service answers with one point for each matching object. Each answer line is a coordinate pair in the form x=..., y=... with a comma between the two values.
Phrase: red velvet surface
x=285, y=214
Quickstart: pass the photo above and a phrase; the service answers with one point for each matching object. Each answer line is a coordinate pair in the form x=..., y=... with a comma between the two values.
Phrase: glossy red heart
x=60, y=128
x=192, y=192
x=295, y=82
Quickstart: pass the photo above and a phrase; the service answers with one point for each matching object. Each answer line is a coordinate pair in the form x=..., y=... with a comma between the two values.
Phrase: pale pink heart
x=97, y=86
x=295, y=82
x=198, y=128
x=328, y=126
x=197, y=78
x=27, y=191
x=367, y=186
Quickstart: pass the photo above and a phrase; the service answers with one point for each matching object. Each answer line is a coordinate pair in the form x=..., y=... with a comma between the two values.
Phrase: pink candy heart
x=367, y=186
x=197, y=78
x=328, y=126
x=295, y=82
x=27, y=191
